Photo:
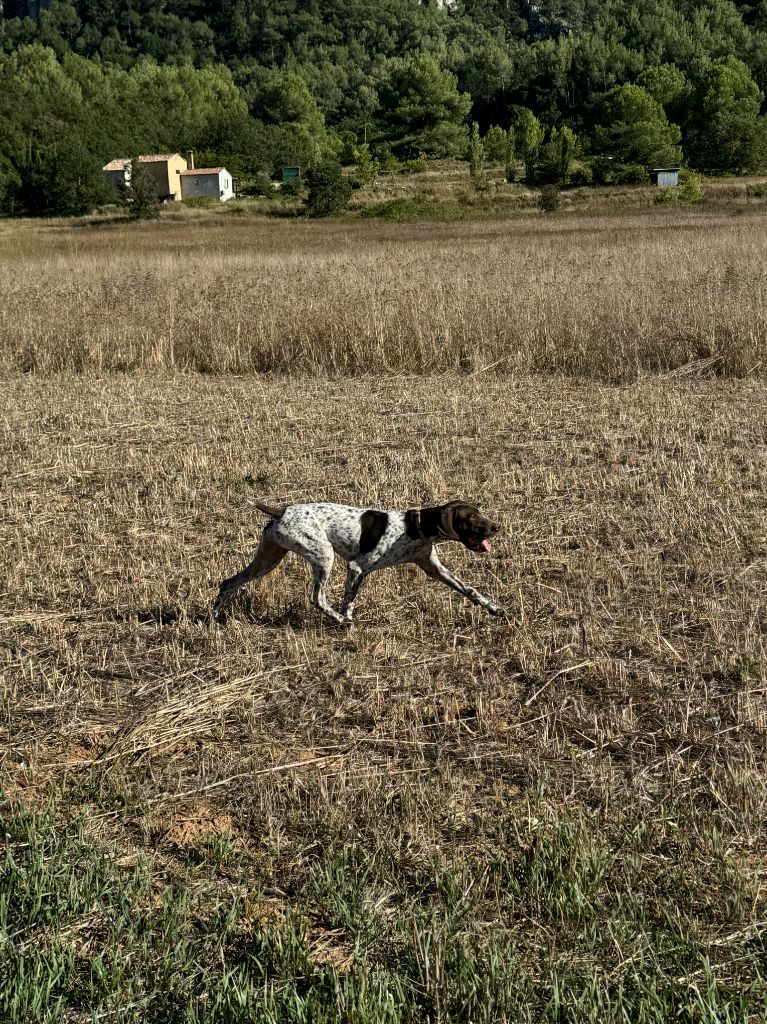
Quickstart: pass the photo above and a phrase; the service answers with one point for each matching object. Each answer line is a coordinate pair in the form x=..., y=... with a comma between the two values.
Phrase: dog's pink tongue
x=485, y=545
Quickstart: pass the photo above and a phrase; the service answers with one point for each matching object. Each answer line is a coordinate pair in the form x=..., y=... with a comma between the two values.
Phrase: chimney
x=190, y=160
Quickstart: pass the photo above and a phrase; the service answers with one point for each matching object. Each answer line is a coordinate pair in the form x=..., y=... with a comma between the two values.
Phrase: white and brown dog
x=368, y=539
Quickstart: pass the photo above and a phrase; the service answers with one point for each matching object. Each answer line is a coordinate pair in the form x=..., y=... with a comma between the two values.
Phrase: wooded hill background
x=253, y=84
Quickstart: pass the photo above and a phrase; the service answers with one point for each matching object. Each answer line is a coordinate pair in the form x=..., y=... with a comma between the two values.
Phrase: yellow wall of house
x=175, y=165
x=166, y=175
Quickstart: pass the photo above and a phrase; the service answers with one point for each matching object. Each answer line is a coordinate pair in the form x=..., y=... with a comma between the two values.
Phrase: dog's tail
x=273, y=513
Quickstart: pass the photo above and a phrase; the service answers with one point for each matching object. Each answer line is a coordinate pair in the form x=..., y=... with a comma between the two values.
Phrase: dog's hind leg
x=319, y=553
x=267, y=557
x=321, y=564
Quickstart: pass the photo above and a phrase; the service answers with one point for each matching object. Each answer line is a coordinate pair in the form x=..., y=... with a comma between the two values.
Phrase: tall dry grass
x=609, y=296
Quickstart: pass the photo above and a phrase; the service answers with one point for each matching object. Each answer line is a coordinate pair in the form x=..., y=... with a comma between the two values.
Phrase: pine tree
x=477, y=158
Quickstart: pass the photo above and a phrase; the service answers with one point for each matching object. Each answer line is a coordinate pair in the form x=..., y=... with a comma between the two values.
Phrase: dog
x=368, y=539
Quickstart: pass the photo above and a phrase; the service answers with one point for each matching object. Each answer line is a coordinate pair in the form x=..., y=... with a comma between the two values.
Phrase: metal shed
x=666, y=177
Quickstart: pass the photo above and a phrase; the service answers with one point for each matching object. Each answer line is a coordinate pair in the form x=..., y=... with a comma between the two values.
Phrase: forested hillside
x=255, y=83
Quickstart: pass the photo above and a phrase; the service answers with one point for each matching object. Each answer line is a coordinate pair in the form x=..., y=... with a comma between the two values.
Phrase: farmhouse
x=164, y=169
x=209, y=182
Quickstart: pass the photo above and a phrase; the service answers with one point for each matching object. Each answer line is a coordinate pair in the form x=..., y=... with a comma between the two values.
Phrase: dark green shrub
x=691, y=190
x=400, y=211
x=292, y=187
x=582, y=175
x=140, y=195
x=65, y=181
x=347, y=150
x=608, y=172
x=329, y=191
x=553, y=161
x=259, y=185
x=418, y=165
x=631, y=174
x=549, y=199
x=666, y=197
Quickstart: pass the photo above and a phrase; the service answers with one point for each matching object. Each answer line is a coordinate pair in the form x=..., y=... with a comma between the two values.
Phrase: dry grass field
x=557, y=816
x=599, y=296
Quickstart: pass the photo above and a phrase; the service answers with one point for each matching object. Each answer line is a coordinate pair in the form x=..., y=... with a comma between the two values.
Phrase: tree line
x=255, y=84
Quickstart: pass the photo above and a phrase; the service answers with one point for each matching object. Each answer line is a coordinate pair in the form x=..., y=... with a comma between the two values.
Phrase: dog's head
x=458, y=520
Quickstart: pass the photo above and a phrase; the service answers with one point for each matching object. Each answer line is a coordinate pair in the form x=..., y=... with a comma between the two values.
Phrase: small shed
x=207, y=182
x=291, y=173
x=666, y=177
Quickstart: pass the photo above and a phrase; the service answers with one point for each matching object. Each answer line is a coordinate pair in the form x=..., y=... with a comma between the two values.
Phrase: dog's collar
x=415, y=528
x=413, y=520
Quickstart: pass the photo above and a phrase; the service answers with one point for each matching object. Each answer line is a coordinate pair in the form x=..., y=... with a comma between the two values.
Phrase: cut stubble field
x=438, y=816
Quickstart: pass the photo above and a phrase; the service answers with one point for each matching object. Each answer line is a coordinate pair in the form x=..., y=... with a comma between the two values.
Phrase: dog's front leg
x=432, y=566
x=354, y=580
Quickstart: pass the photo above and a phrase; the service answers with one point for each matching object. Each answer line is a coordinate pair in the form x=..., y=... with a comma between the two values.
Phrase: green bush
x=510, y=156
x=630, y=174
x=400, y=211
x=476, y=158
x=292, y=187
x=582, y=175
x=329, y=191
x=691, y=190
x=347, y=147
x=495, y=143
x=66, y=181
x=552, y=163
x=140, y=195
x=387, y=161
x=608, y=172
x=666, y=197
x=549, y=199
x=366, y=165
x=259, y=185
x=418, y=165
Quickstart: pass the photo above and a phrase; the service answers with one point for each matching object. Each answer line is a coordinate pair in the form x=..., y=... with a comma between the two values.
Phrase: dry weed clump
x=560, y=816
x=609, y=296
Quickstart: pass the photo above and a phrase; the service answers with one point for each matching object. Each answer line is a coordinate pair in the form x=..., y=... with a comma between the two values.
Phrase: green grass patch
x=400, y=211
x=558, y=919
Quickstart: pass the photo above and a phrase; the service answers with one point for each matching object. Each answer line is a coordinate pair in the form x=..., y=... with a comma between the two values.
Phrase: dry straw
x=601, y=296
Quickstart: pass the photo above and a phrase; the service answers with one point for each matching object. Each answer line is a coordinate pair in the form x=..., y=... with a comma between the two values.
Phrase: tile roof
x=204, y=170
x=147, y=158
x=156, y=158
x=117, y=165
